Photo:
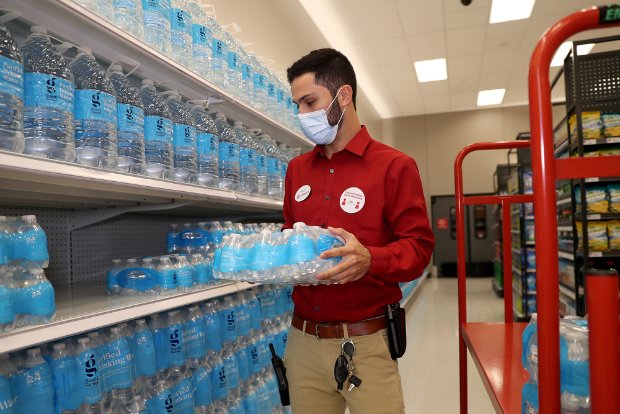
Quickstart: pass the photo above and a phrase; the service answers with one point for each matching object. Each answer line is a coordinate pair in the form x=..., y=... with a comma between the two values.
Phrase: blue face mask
x=316, y=127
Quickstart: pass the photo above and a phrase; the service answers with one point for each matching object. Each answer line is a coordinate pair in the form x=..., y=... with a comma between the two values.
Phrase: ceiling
x=383, y=38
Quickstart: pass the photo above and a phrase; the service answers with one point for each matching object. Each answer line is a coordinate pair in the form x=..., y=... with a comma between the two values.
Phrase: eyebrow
x=304, y=97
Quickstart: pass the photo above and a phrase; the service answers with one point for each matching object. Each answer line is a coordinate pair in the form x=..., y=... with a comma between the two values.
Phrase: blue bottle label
x=201, y=275
x=232, y=373
x=7, y=309
x=183, y=397
x=184, y=136
x=11, y=78
x=180, y=20
x=271, y=90
x=262, y=164
x=160, y=338
x=283, y=167
x=162, y=403
x=219, y=382
x=124, y=4
x=259, y=80
x=228, y=325
x=67, y=394
x=158, y=6
x=35, y=300
x=157, y=128
x=144, y=356
x=273, y=166
x=262, y=258
x=229, y=152
x=195, y=339
x=247, y=157
x=116, y=365
x=289, y=102
x=7, y=400
x=185, y=277
x=212, y=332
x=201, y=380
x=95, y=105
x=280, y=94
x=175, y=346
x=138, y=278
x=243, y=364
x=89, y=376
x=48, y=91
x=217, y=48
x=250, y=403
x=35, y=387
x=130, y=118
x=255, y=363
x=207, y=143
x=233, y=60
x=246, y=72
x=201, y=35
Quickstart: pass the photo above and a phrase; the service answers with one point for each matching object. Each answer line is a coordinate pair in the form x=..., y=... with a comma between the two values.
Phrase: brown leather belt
x=336, y=330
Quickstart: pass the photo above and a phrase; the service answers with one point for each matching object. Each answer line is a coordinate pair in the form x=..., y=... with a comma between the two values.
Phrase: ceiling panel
x=437, y=104
x=377, y=20
x=406, y=91
x=427, y=46
x=420, y=16
x=455, y=5
x=464, y=84
x=466, y=65
x=389, y=51
x=465, y=41
x=495, y=80
x=411, y=106
x=467, y=17
x=498, y=62
x=434, y=89
x=398, y=73
x=463, y=101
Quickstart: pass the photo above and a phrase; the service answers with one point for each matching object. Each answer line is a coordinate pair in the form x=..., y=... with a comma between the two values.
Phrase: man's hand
x=355, y=259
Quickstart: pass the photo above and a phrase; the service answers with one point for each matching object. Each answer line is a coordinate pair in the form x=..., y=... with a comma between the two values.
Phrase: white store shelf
x=70, y=21
x=43, y=181
x=567, y=292
x=90, y=308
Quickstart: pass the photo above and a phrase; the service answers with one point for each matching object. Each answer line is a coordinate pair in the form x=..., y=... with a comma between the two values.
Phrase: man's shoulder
x=385, y=153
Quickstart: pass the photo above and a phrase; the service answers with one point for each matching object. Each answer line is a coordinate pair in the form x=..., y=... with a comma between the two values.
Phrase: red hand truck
x=496, y=347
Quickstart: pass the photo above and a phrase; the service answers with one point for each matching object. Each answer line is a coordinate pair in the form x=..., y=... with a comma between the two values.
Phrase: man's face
x=311, y=97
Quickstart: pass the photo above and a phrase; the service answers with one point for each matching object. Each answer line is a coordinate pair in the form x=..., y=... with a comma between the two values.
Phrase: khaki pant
x=310, y=371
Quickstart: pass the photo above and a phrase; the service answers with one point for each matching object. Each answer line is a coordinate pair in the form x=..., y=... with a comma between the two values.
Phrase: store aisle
x=429, y=369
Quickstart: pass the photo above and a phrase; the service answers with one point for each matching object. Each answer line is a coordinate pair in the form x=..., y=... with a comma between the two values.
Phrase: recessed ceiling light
x=491, y=97
x=509, y=10
x=565, y=48
x=431, y=70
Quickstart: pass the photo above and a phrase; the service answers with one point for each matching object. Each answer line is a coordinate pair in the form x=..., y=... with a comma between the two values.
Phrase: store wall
x=369, y=117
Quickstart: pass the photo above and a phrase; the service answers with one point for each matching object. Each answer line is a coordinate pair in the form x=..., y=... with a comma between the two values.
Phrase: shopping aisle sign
x=609, y=14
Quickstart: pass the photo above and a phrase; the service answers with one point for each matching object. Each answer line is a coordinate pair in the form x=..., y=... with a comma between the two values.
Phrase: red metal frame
x=546, y=170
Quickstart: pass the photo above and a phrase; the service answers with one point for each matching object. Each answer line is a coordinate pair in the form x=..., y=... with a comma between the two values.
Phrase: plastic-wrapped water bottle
x=574, y=367
x=128, y=17
x=207, y=146
x=266, y=299
x=64, y=376
x=228, y=319
x=243, y=316
x=232, y=369
x=229, y=155
x=194, y=336
x=240, y=348
x=184, y=272
x=7, y=305
x=181, y=32
x=261, y=168
x=248, y=170
x=130, y=122
x=143, y=348
x=201, y=382
x=11, y=91
x=272, y=95
x=88, y=358
x=274, y=177
x=157, y=325
x=156, y=15
x=102, y=7
x=33, y=385
x=174, y=348
x=95, y=113
x=233, y=65
x=201, y=277
x=161, y=398
x=172, y=239
x=264, y=401
x=184, y=139
x=212, y=327
x=6, y=241
x=202, y=39
x=302, y=251
x=259, y=84
x=8, y=397
x=183, y=393
x=137, y=406
x=33, y=298
x=112, y=277
x=167, y=276
x=219, y=54
x=29, y=243
x=116, y=366
x=158, y=129
x=250, y=399
x=219, y=378
x=48, y=99
x=247, y=77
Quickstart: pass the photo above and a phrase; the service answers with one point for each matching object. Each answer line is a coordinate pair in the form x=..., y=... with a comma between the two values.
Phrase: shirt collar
x=357, y=145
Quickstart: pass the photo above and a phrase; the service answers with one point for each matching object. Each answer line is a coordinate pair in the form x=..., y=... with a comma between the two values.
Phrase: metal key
x=341, y=370
x=354, y=382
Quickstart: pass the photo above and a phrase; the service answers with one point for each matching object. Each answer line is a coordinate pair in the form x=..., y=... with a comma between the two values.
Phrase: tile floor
x=429, y=369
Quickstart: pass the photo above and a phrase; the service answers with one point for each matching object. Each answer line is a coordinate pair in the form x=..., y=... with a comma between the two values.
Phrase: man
x=370, y=195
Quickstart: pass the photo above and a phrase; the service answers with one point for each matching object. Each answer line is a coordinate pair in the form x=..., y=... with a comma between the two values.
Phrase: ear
x=345, y=97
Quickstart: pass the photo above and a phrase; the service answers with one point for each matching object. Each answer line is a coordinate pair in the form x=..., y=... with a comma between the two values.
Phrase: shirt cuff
x=379, y=261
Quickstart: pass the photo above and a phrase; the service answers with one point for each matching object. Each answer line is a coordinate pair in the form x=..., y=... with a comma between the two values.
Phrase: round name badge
x=352, y=200
x=302, y=193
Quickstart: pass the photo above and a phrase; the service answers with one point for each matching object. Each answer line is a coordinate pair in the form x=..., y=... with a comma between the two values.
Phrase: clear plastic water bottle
x=233, y=65
x=243, y=316
x=201, y=276
x=250, y=399
x=130, y=123
x=136, y=406
x=201, y=382
x=175, y=344
x=29, y=243
x=158, y=130
x=143, y=348
x=259, y=84
x=207, y=146
x=8, y=372
x=212, y=327
x=247, y=77
x=64, y=376
x=574, y=367
x=33, y=385
x=183, y=393
x=274, y=176
x=172, y=238
x=240, y=348
x=184, y=139
x=7, y=305
x=185, y=273
x=6, y=241
x=302, y=252
x=117, y=366
x=219, y=378
x=112, y=277
x=202, y=39
x=219, y=53
x=156, y=16
x=11, y=91
x=228, y=319
x=232, y=369
x=248, y=166
x=157, y=325
x=102, y=7
x=229, y=155
x=167, y=276
x=127, y=15
x=33, y=298
x=181, y=32
x=194, y=336
x=161, y=398
x=48, y=99
x=272, y=96
x=96, y=142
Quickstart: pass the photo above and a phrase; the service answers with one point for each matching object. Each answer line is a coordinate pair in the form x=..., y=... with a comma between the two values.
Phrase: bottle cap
x=29, y=217
x=33, y=352
x=147, y=82
x=58, y=347
x=116, y=68
x=38, y=29
x=83, y=340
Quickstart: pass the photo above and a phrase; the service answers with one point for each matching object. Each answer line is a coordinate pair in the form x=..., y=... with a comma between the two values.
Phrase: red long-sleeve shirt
x=374, y=192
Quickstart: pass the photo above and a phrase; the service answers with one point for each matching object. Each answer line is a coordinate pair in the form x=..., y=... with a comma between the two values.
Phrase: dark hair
x=331, y=69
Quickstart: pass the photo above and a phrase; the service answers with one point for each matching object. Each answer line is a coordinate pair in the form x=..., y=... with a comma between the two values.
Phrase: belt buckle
x=316, y=329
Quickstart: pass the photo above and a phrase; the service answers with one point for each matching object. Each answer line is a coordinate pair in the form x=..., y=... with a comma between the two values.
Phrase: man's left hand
x=355, y=259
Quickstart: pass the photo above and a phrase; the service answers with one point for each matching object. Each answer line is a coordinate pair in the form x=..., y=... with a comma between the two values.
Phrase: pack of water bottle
x=206, y=358
x=26, y=295
x=188, y=32
x=574, y=366
x=287, y=257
